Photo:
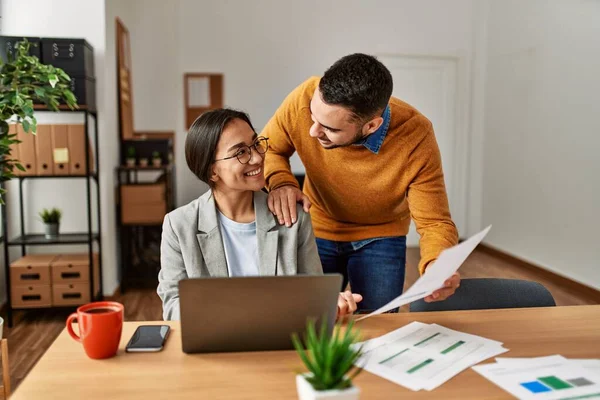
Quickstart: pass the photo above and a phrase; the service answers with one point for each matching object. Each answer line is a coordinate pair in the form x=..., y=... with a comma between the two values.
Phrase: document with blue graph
x=424, y=356
x=545, y=378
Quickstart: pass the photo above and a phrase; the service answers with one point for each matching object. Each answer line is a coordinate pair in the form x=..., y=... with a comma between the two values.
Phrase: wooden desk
x=65, y=372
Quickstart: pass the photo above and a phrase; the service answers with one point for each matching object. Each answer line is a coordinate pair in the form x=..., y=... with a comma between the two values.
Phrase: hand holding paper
x=436, y=274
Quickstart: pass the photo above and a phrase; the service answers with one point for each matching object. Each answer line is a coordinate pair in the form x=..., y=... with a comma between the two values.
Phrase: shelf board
x=148, y=168
x=63, y=238
x=94, y=176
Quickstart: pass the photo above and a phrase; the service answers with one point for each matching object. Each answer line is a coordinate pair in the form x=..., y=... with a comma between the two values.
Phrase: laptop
x=253, y=313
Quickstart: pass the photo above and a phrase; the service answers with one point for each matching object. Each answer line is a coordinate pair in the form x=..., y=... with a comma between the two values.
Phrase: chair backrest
x=491, y=293
x=5, y=370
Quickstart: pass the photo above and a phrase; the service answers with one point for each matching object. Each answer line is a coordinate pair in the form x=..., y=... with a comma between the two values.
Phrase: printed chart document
x=424, y=356
x=436, y=274
x=545, y=378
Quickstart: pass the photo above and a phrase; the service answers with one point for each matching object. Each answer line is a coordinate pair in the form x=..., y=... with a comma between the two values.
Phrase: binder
x=60, y=149
x=76, y=134
x=43, y=150
x=26, y=151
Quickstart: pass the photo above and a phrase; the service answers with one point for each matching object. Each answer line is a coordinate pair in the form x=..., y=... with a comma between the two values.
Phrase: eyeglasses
x=244, y=153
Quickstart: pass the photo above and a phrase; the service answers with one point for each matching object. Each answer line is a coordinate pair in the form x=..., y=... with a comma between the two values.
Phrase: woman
x=228, y=231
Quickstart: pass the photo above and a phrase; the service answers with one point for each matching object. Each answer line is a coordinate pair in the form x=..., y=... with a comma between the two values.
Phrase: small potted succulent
x=130, y=160
x=51, y=219
x=143, y=161
x=156, y=159
x=330, y=360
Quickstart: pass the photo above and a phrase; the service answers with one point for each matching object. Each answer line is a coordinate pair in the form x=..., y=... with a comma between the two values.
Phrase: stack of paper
x=422, y=356
x=553, y=377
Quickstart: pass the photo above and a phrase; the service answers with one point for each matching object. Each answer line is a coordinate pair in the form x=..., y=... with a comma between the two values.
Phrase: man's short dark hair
x=358, y=82
x=203, y=137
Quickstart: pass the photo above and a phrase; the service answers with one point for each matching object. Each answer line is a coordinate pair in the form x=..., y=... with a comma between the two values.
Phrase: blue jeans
x=374, y=267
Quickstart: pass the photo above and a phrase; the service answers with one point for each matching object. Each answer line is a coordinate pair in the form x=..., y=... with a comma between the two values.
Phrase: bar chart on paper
x=549, y=379
x=420, y=356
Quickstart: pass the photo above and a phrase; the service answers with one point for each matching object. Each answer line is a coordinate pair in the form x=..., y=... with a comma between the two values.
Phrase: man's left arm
x=428, y=201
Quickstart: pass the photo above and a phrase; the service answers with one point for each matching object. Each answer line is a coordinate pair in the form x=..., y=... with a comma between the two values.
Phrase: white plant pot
x=143, y=162
x=307, y=392
x=157, y=162
x=130, y=162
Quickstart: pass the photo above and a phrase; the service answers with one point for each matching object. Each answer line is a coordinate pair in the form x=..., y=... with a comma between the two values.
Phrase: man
x=371, y=162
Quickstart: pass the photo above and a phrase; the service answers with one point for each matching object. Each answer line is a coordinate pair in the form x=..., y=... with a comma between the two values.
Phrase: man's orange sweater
x=357, y=194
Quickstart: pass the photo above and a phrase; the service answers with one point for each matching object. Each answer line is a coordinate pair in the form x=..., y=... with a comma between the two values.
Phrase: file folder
x=60, y=149
x=77, y=145
x=43, y=150
x=26, y=151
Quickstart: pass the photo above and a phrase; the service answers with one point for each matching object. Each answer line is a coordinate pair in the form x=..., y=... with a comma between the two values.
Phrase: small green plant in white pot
x=330, y=361
x=51, y=219
x=156, y=159
x=143, y=161
x=130, y=160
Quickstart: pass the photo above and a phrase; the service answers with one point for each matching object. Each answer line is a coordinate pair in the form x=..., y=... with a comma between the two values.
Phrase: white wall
x=541, y=185
x=265, y=48
x=70, y=18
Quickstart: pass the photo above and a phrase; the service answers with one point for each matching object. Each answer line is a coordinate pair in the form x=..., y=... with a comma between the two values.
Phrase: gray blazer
x=192, y=247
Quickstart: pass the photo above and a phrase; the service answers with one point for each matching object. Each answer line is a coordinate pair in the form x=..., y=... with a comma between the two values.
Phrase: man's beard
x=358, y=137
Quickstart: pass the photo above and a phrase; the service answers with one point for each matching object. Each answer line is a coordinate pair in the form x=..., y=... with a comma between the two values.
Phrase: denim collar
x=374, y=141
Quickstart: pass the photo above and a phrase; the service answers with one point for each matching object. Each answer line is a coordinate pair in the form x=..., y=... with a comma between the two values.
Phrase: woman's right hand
x=347, y=303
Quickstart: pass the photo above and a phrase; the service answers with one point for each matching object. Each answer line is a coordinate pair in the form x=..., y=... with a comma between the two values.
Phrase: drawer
x=31, y=270
x=148, y=213
x=70, y=273
x=29, y=275
x=33, y=296
x=70, y=294
x=68, y=268
x=143, y=194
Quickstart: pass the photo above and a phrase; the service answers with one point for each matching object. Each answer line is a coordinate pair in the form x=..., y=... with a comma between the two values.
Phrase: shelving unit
x=25, y=239
x=132, y=235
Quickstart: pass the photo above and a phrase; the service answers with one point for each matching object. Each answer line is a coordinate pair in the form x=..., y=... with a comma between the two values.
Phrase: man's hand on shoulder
x=282, y=203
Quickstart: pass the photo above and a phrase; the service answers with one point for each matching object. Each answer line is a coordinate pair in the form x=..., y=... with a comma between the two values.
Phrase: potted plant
x=156, y=159
x=130, y=159
x=24, y=80
x=51, y=219
x=329, y=360
x=143, y=161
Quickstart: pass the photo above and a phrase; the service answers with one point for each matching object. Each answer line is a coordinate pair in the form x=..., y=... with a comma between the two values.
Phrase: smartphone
x=148, y=338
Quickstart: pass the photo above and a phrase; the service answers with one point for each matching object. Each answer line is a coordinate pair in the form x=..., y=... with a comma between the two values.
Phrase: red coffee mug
x=100, y=326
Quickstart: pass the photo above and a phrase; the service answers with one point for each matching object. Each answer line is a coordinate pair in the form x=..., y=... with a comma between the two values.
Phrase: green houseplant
x=330, y=361
x=156, y=159
x=130, y=159
x=23, y=81
x=51, y=219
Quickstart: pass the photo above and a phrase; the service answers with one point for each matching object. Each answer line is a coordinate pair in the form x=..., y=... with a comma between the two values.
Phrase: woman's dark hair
x=203, y=137
x=358, y=82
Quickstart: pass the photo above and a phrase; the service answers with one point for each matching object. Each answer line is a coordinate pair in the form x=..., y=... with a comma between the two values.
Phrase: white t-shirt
x=241, y=246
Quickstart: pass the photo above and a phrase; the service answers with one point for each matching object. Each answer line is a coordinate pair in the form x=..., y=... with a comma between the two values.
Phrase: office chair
x=489, y=293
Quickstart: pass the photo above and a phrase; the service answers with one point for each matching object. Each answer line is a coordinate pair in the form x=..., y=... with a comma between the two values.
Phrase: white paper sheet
x=436, y=274
x=544, y=378
x=420, y=356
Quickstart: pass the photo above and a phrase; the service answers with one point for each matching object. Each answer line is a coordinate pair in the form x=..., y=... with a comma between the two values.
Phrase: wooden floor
x=34, y=331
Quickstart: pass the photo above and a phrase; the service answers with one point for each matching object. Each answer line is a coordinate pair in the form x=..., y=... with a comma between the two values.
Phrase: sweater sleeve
x=280, y=130
x=428, y=201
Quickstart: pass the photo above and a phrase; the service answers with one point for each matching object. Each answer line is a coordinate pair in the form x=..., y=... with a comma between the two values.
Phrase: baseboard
x=547, y=274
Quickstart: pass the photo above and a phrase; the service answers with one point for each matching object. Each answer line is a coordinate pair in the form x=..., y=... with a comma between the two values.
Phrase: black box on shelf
x=74, y=56
x=9, y=45
x=84, y=90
